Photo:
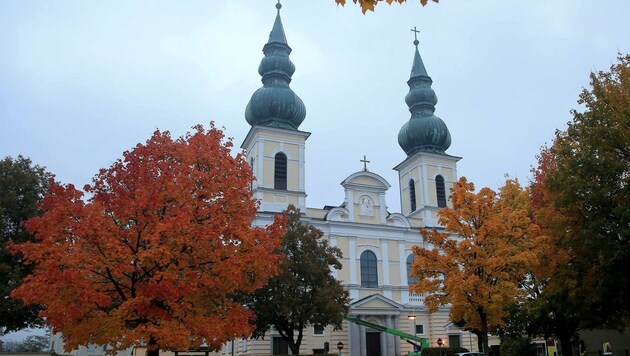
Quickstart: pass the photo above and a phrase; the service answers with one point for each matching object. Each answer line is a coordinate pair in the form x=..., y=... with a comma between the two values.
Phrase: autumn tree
x=560, y=287
x=580, y=197
x=156, y=250
x=370, y=4
x=476, y=264
x=591, y=181
x=22, y=186
x=304, y=293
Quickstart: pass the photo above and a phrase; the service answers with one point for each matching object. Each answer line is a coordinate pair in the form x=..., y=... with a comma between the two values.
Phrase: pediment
x=374, y=303
x=366, y=179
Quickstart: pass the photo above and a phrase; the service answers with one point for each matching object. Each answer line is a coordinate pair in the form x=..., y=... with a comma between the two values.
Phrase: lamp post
x=413, y=317
x=440, y=342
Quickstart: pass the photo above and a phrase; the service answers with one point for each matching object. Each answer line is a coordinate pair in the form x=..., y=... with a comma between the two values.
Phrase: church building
x=376, y=243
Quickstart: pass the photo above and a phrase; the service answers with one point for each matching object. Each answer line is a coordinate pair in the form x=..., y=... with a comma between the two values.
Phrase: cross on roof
x=365, y=162
x=415, y=34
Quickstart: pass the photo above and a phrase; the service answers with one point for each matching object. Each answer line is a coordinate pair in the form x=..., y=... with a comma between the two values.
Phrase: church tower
x=428, y=172
x=274, y=146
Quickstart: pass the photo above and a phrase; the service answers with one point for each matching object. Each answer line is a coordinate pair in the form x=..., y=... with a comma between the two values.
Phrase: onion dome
x=424, y=132
x=275, y=104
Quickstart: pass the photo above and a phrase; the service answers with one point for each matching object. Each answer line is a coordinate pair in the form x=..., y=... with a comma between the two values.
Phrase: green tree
x=590, y=182
x=560, y=287
x=304, y=293
x=517, y=346
x=581, y=200
x=34, y=343
x=22, y=187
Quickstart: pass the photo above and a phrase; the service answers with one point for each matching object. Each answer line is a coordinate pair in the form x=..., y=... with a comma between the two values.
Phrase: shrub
x=517, y=346
x=444, y=351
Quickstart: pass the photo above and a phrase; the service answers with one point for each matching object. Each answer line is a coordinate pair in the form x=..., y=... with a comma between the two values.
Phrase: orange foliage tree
x=478, y=262
x=156, y=252
x=370, y=4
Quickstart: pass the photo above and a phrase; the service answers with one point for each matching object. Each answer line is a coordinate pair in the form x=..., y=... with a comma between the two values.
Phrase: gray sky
x=81, y=81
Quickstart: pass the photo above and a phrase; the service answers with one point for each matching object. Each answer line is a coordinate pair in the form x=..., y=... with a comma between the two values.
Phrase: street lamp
x=413, y=317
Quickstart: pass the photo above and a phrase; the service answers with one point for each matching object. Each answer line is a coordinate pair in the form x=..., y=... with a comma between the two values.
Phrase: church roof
x=275, y=104
x=424, y=132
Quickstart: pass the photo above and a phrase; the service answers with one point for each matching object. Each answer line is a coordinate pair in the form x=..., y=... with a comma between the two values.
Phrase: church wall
x=268, y=166
x=394, y=255
x=293, y=172
x=394, y=272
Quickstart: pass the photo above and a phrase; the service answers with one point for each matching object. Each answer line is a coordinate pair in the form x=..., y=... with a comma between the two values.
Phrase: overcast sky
x=81, y=81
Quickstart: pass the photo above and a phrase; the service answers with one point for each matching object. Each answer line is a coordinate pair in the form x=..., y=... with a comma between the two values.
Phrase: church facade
x=376, y=243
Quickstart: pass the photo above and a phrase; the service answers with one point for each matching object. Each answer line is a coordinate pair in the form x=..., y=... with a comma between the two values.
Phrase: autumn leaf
x=368, y=5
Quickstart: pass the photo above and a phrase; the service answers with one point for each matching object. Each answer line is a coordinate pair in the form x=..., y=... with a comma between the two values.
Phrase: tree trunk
x=565, y=344
x=479, y=340
x=484, y=334
x=153, y=349
x=295, y=349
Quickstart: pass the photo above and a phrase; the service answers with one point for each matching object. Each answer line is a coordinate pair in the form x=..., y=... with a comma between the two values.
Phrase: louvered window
x=280, y=172
x=412, y=194
x=441, y=191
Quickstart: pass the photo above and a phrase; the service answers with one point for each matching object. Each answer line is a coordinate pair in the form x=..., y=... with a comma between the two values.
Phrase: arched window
x=410, y=280
x=412, y=194
x=280, y=172
x=441, y=191
x=369, y=271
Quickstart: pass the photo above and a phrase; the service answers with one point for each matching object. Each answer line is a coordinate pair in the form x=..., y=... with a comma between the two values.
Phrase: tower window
x=412, y=194
x=280, y=172
x=441, y=191
x=410, y=280
x=369, y=271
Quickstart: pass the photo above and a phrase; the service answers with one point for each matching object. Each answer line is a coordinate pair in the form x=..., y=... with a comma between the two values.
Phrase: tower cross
x=415, y=34
x=365, y=162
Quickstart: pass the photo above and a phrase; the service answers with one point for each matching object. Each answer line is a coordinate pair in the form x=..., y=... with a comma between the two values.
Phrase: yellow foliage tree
x=370, y=4
x=478, y=261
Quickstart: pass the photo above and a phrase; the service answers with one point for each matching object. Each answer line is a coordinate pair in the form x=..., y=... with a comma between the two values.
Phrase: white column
x=404, y=294
x=260, y=159
x=350, y=204
x=385, y=259
x=332, y=240
x=425, y=183
x=352, y=259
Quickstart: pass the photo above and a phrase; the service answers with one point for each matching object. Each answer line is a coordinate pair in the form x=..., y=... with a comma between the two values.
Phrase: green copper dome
x=424, y=132
x=275, y=104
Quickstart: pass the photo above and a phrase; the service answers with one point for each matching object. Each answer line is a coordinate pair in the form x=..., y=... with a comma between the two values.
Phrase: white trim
x=352, y=248
x=280, y=149
x=385, y=250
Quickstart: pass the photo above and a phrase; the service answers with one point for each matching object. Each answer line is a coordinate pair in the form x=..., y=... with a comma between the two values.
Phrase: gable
x=374, y=303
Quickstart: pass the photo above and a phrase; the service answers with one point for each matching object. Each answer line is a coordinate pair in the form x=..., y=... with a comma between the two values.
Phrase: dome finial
x=424, y=132
x=415, y=35
x=275, y=104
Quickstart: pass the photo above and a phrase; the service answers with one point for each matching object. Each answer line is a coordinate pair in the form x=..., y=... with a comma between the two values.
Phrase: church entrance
x=373, y=343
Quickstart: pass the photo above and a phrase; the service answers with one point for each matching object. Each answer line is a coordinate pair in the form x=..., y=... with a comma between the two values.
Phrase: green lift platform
x=417, y=342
